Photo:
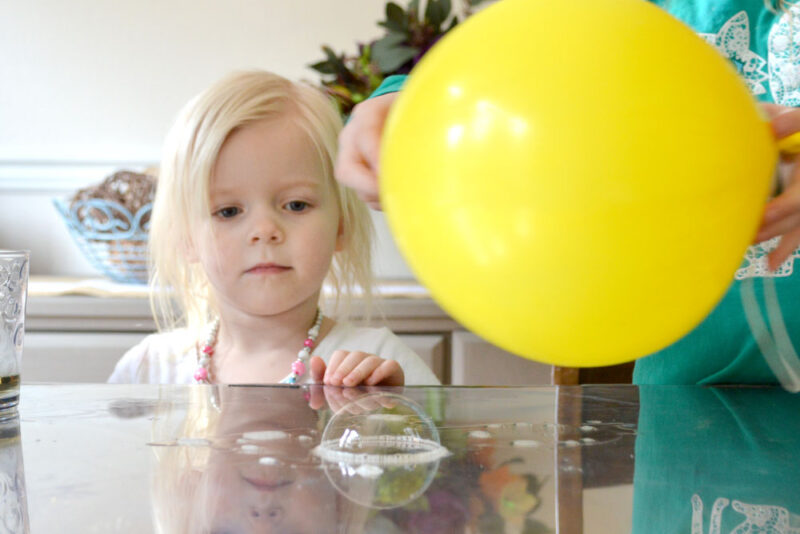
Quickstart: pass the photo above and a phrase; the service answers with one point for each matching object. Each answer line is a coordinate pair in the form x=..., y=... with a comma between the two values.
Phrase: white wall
x=90, y=86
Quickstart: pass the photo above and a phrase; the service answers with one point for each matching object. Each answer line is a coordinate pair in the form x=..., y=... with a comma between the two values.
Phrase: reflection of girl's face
x=238, y=494
x=242, y=496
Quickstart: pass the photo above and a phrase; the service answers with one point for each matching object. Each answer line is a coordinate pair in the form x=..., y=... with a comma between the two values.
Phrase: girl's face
x=267, y=243
x=240, y=495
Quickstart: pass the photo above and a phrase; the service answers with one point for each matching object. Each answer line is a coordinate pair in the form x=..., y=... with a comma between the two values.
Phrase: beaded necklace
x=203, y=376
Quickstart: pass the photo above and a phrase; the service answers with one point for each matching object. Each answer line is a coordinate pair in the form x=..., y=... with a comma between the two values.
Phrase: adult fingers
x=787, y=245
x=785, y=122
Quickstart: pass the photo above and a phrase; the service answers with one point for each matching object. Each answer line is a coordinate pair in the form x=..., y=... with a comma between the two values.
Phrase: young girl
x=247, y=224
x=761, y=38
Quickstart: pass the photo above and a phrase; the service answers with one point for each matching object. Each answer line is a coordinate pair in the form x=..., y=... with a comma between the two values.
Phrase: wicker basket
x=112, y=238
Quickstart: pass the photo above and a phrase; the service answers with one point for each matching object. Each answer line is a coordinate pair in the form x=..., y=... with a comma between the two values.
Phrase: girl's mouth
x=263, y=484
x=267, y=268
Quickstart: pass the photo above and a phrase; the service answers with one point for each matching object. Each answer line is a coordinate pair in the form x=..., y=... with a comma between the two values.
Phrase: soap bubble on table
x=381, y=450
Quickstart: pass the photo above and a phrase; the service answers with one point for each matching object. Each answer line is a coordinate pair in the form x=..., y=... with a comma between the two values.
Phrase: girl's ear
x=341, y=239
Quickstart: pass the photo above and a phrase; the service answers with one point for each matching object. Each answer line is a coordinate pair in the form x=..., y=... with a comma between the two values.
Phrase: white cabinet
x=73, y=356
x=432, y=349
x=79, y=338
x=475, y=362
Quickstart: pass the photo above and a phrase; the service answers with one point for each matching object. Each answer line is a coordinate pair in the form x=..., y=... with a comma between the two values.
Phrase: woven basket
x=112, y=238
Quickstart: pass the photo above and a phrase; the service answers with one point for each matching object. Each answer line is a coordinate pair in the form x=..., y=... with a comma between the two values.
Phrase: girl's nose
x=266, y=230
x=271, y=515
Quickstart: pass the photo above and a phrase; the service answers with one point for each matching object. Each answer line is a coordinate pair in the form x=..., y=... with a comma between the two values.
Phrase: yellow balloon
x=575, y=181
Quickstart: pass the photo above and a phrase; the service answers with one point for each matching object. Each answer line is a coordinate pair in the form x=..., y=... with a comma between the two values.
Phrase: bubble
x=381, y=450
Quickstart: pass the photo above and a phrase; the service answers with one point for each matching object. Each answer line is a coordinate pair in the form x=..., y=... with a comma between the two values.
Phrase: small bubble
x=369, y=471
x=530, y=443
x=265, y=435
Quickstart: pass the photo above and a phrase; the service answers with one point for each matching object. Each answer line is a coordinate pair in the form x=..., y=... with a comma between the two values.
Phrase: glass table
x=591, y=459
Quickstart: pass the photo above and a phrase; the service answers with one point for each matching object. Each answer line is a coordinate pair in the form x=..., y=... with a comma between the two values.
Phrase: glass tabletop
x=593, y=459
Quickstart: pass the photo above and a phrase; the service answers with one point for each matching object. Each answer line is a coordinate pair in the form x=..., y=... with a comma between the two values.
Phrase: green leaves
x=436, y=12
x=391, y=52
x=395, y=18
x=351, y=79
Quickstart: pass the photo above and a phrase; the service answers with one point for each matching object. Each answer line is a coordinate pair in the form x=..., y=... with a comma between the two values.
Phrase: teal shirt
x=761, y=45
x=716, y=460
x=391, y=84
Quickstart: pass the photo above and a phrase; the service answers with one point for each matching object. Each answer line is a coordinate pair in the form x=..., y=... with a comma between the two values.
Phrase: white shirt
x=171, y=357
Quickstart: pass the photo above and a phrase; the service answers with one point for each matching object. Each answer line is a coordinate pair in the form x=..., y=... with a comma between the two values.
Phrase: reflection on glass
x=381, y=450
x=13, y=500
x=717, y=460
x=250, y=459
x=237, y=460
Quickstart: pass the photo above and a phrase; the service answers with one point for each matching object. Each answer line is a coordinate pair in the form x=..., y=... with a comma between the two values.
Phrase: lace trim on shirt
x=756, y=262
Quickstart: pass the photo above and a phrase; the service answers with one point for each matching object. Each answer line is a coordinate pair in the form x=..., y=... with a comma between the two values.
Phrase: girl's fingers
x=317, y=369
x=388, y=373
x=316, y=398
x=336, y=400
x=361, y=371
x=349, y=361
x=336, y=360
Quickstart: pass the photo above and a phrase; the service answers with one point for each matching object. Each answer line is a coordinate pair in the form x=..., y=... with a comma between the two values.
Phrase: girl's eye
x=227, y=213
x=296, y=205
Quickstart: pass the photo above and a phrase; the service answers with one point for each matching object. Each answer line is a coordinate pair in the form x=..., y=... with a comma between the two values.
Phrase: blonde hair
x=181, y=293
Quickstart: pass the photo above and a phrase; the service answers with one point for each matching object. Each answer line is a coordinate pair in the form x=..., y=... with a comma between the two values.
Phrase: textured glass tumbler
x=13, y=294
x=13, y=498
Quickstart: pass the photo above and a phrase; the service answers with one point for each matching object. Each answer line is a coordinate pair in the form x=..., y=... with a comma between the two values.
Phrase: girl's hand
x=356, y=368
x=355, y=400
x=782, y=214
x=359, y=148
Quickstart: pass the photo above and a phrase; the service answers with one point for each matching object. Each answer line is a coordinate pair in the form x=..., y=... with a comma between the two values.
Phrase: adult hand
x=782, y=214
x=359, y=148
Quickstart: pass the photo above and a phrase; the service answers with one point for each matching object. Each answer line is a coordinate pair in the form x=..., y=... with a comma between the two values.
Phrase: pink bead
x=208, y=349
x=308, y=342
x=298, y=368
x=201, y=374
